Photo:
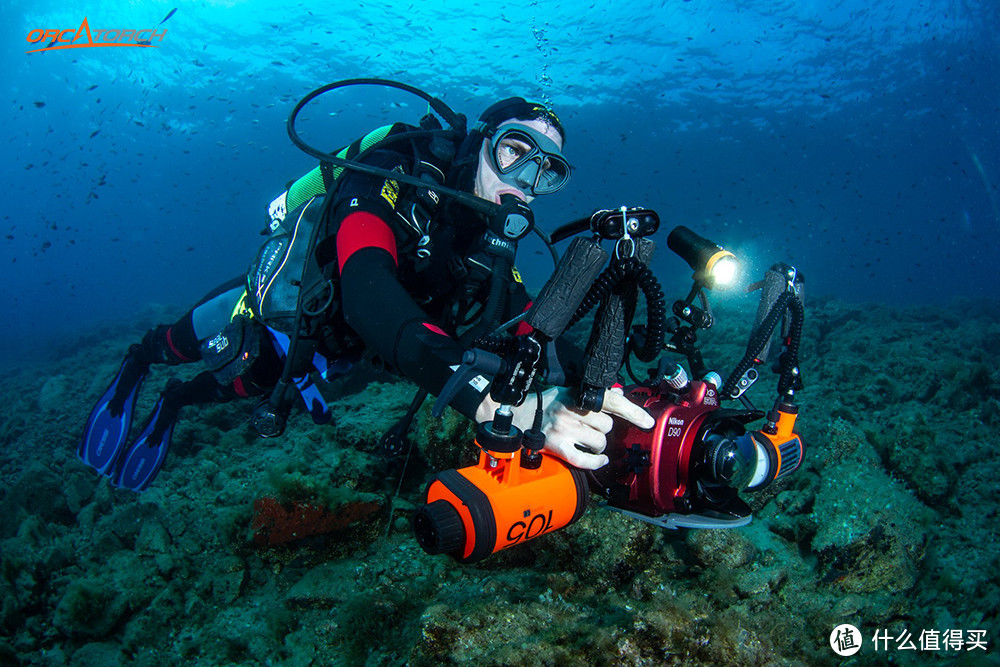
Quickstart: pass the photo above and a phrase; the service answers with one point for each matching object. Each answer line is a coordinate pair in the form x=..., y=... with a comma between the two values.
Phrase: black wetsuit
x=402, y=297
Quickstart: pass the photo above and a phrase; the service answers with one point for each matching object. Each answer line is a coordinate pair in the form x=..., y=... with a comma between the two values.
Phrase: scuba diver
x=362, y=262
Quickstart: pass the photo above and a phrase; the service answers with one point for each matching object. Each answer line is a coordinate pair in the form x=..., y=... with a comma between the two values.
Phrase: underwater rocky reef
x=298, y=550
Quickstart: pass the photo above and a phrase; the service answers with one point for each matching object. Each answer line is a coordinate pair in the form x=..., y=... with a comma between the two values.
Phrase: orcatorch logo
x=84, y=37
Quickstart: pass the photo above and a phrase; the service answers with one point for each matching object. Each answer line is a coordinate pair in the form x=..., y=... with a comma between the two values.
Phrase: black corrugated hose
x=632, y=270
x=790, y=379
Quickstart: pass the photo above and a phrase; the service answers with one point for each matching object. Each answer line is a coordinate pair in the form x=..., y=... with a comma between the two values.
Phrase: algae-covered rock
x=20, y=574
x=89, y=608
x=108, y=577
x=53, y=394
x=38, y=491
x=106, y=654
x=8, y=656
x=870, y=531
x=730, y=548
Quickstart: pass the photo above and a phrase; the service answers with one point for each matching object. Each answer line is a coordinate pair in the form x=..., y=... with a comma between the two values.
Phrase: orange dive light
x=497, y=503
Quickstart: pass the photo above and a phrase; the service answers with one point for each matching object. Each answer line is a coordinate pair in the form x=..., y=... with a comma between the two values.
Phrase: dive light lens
x=724, y=271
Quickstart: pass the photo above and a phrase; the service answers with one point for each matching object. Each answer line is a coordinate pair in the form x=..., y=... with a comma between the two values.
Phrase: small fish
x=94, y=133
x=168, y=16
x=39, y=104
x=92, y=87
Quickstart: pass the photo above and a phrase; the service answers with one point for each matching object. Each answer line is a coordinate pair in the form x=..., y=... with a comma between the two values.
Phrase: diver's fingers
x=600, y=422
x=586, y=429
x=589, y=437
x=616, y=404
x=568, y=416
x=566, y=450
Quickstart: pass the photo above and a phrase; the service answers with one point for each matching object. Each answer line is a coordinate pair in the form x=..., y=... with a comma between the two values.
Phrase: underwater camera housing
x=689, y=469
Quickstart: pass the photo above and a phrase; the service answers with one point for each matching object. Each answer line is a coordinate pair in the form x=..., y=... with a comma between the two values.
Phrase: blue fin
x=108, y=426
x=142, y=460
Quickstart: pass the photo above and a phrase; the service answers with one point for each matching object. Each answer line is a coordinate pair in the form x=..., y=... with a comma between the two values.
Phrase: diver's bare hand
x=576, y=436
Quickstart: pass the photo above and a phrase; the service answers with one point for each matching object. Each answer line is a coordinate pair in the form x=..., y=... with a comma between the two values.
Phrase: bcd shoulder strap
x=323, y=178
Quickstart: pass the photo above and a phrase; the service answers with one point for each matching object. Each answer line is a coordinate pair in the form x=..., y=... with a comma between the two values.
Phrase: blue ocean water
x=856, y=140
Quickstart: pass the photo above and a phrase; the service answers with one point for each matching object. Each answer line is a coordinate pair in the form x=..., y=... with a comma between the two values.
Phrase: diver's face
x=488, y=184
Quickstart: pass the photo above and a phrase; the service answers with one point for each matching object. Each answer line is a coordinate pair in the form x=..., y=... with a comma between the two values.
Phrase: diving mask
x=528, y=160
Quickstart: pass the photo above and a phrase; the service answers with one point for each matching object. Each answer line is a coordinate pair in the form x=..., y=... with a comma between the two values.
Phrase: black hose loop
x=656, y=315
x=495, y=344
x=630, y=270
x=790, y=377
x=607, y=281
x=758, y=340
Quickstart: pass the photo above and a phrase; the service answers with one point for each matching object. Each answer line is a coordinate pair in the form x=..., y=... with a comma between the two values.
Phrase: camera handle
x=780, y=303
